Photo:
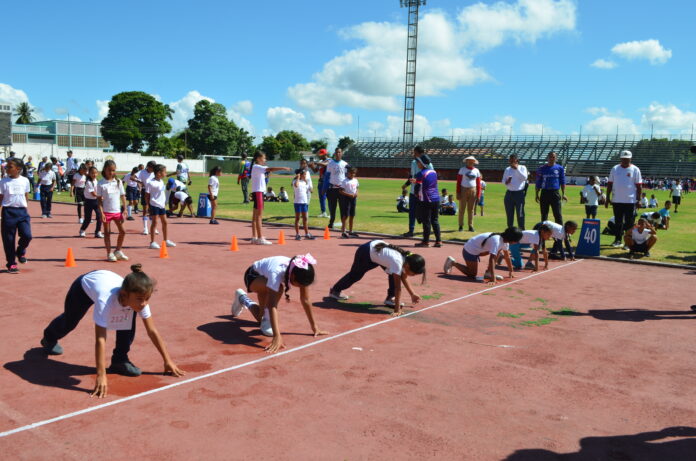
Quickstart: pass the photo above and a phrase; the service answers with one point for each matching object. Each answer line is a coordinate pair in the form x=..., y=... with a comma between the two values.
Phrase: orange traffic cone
x=281, y=238
x=164, y=254
x=327, y=233
x=70, y=259
x=234, y=246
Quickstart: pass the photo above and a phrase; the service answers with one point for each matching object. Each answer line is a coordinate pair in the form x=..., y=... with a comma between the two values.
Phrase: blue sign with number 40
x=588, y=242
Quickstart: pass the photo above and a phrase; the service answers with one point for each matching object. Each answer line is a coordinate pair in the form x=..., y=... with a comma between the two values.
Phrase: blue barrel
x=205, y=209
x=37, y=193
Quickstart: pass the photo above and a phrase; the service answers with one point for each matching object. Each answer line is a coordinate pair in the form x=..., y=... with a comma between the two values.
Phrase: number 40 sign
x=588, y=242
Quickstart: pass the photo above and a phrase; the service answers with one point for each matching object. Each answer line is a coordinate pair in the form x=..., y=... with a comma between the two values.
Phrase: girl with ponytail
x=482, y=245
x=116, y=301
x=271, y=278
x=398, y=263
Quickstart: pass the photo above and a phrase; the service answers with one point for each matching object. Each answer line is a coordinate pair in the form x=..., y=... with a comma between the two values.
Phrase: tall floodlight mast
x=411, y=52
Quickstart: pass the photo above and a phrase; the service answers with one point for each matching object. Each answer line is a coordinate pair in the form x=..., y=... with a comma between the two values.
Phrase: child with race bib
x=270, y=278
x=398, y=263
x=14, y=192
x=116, y=302
x=112, y=201
x=258, y=188
x=92, y=204
x=486, y=244
x=155, y=195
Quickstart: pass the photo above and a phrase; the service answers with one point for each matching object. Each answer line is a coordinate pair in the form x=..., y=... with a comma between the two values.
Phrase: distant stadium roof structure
x=581, y=155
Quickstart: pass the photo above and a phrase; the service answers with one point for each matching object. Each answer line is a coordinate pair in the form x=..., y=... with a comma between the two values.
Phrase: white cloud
x=241, y=121
x=667, y=118
x=604, y=64
x=650, y=50
x=372, y=75
x=102, y=109
x=184, y=107
x=245, y=107
x=72, y=118
x=610, y=124
x=12, y=95
x=597, y=110
x=285, y=118
x=331, y=117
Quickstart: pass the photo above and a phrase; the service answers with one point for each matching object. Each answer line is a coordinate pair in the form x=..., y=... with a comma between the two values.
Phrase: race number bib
x=120, y=318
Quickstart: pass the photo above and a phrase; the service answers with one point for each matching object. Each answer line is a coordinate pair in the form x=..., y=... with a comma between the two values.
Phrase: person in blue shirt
x=428, y=200
x=664, y=214
x=244, y=176
x=550, y=188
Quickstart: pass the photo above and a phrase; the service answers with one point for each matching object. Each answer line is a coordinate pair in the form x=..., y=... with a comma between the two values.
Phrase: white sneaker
x=237, y=304
x=120, y=256
x=337, y=296
x=100, y=235
x=390, y=302
x=146, y=232
x=617, y=244
x=80, y=220
x=82, y=233
x=156, y=232
x=111, y=257
x=254, y=241
x=266, y=328
x=263, y=241
x=43, y=215
x=154, y=246
x=449, y=262
x=487, y=275
x=170, y=243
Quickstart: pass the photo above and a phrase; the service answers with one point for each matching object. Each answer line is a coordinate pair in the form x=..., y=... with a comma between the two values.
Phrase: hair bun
x=136, y=268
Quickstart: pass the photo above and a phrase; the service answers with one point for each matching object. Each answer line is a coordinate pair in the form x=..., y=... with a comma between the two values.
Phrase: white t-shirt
x=79, y=180
x=91, y=189
x=625, y=181
x=155, y=188
x=176, y=184
x=390, y=260
x=677, y=190
x=182, y=171
x=145, y=177
x=640, y=237
x=111, y=192
x=283, y=195
x=70, y=164
x=469, y=176
x=591, y=195
x=493, y=245
x=258, y=178
x=518, y=175
x=530, y=237
x=46, y=178
x=102, y=287
x=181, y=195
x=350, y=186
x=301, y=189
x=128, y=178
x=644, y=202
x=308, y=178
x=273, y=269
x=653, y=203
x=337, y=171
x=557, y=230
x=13, y=191
x=214, y=184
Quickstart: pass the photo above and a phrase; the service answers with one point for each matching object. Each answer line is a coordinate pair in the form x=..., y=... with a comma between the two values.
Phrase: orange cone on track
x=70, y=259
x=164, y=254
x=327, y=234
x=234, y=246
x=281, y=238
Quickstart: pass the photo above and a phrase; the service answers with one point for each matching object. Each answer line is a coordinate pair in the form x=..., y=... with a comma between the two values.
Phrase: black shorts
x=143, y=202
x=131, y=193
x=249, y=276
x=348, y=208
x=676, y=199
x=640, y=247
x=80, y=195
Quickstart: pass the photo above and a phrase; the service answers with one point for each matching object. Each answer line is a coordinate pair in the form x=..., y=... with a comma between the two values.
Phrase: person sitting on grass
x=445, y=194
x=270, y=196
x=644, y=203
x=283, y=195
x=402, y=201
x=653, y=202
x=641, y=238
x=449, y=206
x=664, y=213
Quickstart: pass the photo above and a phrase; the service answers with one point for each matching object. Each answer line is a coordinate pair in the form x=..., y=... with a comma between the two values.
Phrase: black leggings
x=362, y=264
x=91, y=205
x=430, y=217
x=77, y=303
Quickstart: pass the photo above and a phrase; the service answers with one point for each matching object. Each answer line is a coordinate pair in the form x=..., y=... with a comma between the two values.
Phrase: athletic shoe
x=99, y=235
x=647, y=254
x=254, y=241
x=54, y=349
x=44, y=216
x=146, y=232
x=487, y=275
x=111, y=257
x=170, y=243
x=80, y=220
x=617, y=244
x=437, y=244
x=309, y=237
x=529, y=265
x=390, y=302
x=407, y=234
x=353, y=234
x=471, y=229
x=13, y=269
x=461, y=228
x=337, y=295
x=120, y=256
x=237, y=305
x=266, y=328
x=49, y=216
x=214, y=221
x=22, y=259
x=82, y=233
x=422, y=244
x=298, y=237
x=344, y=235
x=130, y=218
x=449, y=262
x=625, y=248
x=693, y=308
x=263, y=241
x=154, y=246
x=124, y=368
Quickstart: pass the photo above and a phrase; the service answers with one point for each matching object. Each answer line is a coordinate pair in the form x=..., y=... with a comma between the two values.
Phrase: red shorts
x=257, y=197
x=113, y=217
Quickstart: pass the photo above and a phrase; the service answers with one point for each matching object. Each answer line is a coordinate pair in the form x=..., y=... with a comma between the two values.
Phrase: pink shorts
x=113, y=217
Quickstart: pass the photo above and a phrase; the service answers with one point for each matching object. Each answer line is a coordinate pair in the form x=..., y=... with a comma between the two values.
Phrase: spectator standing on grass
x=468, y=191
x=244, y=176
x=515, y=180
x=30, y=169
x=591, y=195
x=550, y=188
x=348, y=200
x=71, y=166
x=676, y=195
x=182, y=171
x=320, y=167
x=626, y=182
x=428, y=201
x=412, y=198
x=337, y=168
x=304, y=165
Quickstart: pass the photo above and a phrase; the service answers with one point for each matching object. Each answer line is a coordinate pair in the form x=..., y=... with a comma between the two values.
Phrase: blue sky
x=320, y=67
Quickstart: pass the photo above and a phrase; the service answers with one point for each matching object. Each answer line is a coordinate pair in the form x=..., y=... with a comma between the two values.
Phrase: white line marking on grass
x=266, y=357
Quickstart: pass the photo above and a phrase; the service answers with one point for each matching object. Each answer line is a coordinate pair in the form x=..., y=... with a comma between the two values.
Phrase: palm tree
x=25, y=112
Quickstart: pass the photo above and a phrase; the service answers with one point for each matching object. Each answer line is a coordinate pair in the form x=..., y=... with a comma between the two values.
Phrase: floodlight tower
x=411, y=52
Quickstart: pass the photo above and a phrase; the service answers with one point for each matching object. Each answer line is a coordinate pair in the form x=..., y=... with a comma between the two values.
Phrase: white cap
x=626, y=154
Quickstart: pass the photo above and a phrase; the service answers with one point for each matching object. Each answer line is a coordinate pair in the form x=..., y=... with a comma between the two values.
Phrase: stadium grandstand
x=580, y=155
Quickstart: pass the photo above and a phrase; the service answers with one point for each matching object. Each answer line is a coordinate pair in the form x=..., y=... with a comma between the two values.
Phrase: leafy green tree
x=172, y=146
x=25, y=113
x=345, y=142
x=245, y=142
x=271, y=147
x=318, y=144
x=292, y=143
x=210, y=132
x=135, y=119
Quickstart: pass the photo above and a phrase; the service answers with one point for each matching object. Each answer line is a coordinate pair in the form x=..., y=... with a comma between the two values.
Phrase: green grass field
x=376, y=212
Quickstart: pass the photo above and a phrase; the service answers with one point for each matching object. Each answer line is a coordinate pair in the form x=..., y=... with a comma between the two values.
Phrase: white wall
x=124, y=161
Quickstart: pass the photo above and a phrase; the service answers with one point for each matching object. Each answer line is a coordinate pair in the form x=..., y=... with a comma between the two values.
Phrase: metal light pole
x=411, y=53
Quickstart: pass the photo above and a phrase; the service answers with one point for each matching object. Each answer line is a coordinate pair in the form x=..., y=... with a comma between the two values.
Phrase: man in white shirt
x=626, y=182
x=515, y=180
x=336, y=167
x=676, y=195
x=182, y=171
x=71, y=165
